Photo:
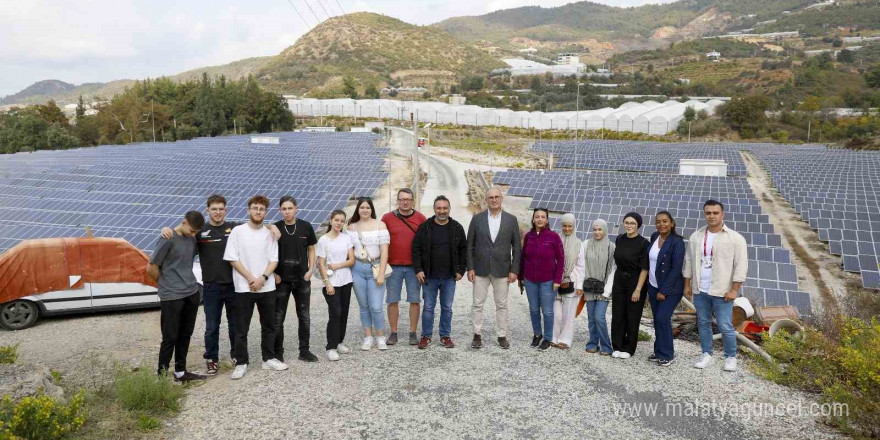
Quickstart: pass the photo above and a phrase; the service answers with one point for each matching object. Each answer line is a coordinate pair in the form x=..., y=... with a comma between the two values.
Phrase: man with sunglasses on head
x=403, y=223
x=293, y=276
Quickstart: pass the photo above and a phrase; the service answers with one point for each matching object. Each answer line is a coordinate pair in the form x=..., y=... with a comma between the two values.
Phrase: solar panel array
x=838, y=192
x=658, y=157
x=131, y=191
x=589, y=194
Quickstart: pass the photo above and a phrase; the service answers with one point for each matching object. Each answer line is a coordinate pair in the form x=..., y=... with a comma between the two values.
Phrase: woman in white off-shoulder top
x=368, y=233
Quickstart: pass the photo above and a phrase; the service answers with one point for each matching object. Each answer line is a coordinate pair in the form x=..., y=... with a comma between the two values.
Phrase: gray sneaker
x=392, y=339
x=413, y=339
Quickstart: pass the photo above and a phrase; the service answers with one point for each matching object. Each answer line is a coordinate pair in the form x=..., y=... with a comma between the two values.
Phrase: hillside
x=46, y=87
x=374, y=49
x=581, y=24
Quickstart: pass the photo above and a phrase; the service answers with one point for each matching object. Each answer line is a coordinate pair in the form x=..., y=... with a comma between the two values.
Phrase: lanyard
x=705, y=239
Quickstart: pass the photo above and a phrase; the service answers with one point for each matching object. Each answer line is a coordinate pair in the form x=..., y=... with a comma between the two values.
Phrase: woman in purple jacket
x=540, y=267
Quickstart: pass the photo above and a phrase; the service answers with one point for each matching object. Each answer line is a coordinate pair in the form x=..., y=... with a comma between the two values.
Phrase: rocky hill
x=373, y=49
x=48, y=87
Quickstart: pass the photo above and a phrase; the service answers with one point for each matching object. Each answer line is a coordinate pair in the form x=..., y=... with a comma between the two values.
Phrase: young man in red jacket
x=402, y=225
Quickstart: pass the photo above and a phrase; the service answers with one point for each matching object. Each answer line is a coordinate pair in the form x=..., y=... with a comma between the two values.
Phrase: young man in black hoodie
x=439, y=256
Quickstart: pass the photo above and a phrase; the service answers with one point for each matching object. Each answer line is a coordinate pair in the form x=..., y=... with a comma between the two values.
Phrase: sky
x=103, y=40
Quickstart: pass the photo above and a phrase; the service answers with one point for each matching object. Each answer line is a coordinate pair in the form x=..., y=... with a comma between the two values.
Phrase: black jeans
x=177, y=320
x=337, y=308
x=301, y=291
x=244, y=311
x=214, y=298
x=625, y=314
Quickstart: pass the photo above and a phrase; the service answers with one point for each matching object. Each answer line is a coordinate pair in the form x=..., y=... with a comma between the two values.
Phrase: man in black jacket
x=439, y=256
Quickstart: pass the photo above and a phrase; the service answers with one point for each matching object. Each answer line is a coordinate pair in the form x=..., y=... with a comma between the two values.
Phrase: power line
x=340, y=7
x=313, y=11
x=325, y=9
x=300, y=15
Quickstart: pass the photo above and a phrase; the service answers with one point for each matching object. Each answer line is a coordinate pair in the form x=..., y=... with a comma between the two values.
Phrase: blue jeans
x=706, y=305
x=369, y=296
x=394, y=285
x=541, y=297
x=214, y=297
x=599, y=338
x=662, y=312
x=446, y=288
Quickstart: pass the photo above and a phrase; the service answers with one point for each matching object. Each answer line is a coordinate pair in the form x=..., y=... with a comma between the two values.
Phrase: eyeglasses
x=404, y=200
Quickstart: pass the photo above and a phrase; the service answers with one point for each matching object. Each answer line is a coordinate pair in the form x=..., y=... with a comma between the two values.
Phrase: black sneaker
x=188, y=376
x=665, y=362
x=478, y=342
x=211, y=367
x=536, y=341
x=545, y=344
x=503, y=343
x=307, y=356
x=653, y=358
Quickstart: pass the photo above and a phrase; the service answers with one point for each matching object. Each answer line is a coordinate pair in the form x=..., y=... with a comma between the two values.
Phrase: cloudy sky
x=102, y=40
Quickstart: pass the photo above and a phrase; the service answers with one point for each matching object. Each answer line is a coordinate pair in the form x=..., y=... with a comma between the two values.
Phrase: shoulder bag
x=374, y=263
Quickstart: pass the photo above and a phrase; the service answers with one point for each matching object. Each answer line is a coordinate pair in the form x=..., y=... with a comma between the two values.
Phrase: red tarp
x=46, y=265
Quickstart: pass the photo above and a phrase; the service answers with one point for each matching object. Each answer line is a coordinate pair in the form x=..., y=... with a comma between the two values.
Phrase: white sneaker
x=333, y=355
x=730, y=364
x=704, y=361
x=343, y=349
x=368, y=343
x=615, y=354
x=274, y=364
x=380, y=343
x=239, y=371
x=623, y=355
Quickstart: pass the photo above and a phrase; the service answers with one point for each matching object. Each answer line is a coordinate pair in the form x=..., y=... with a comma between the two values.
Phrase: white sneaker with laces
x=623, y=355
x=615, y=354
x=343, y=349
x=368, y=343
x=704, y=361
x=333, y=355
x=274, y=364
x=239, y=371
x=730, y=364
x=380, y=343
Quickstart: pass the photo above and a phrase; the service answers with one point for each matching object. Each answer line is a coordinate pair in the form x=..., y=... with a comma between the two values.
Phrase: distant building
x=457, y=100
x=714, y=55
x=684, y=81
x=568, y=59
x=528, y=50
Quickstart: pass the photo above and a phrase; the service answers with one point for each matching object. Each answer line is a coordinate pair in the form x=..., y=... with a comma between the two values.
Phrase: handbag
x=594, y=286
x=565, y=288
x=374, y=263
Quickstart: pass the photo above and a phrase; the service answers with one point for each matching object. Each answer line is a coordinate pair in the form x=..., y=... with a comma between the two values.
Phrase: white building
x=567, y=59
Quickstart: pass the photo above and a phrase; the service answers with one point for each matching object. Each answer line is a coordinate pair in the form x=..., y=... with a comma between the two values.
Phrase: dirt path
x=819, y=272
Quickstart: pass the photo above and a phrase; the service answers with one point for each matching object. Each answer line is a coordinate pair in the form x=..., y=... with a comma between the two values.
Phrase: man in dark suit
x=494, y=243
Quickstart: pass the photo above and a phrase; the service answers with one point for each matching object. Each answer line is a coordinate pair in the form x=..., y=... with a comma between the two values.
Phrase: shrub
x=142, y=390
x=780, y=136
x=8, y=354
x=644, y=336
x=844, y=371
x=147, y=423
x=41, y=417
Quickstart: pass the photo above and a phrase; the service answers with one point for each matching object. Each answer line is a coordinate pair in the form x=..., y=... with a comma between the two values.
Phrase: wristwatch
x=266, y=277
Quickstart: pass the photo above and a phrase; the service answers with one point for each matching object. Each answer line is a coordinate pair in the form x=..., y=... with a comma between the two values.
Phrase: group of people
x=252, y=264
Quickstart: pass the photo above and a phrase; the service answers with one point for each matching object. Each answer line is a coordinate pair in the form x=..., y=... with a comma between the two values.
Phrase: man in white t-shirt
x=715, y=266
x=253, y=253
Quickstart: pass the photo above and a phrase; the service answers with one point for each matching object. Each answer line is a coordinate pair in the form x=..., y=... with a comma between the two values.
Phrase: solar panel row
x=131, y=191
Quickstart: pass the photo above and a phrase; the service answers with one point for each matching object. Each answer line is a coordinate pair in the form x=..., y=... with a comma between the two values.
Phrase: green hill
x=648, y=25
x=374, y=49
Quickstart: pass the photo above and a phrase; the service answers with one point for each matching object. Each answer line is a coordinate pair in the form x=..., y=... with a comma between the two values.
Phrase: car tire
x=18, y=314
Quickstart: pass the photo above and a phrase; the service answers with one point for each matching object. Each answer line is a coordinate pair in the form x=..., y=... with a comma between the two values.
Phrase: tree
x=872, y=76
x=810, y=104
x=349, y=87
x=745, y=112
x=472, y=83
x=80, y=109
x=570, y=84
x=845, y=56
x=689, y=115
x=371, y=92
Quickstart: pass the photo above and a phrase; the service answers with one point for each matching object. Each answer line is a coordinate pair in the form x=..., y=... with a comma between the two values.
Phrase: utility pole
x=153, y=118
x=577, y=116
x=417, y=171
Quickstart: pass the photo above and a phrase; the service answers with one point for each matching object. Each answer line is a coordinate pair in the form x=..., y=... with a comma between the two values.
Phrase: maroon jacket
x=542, y=257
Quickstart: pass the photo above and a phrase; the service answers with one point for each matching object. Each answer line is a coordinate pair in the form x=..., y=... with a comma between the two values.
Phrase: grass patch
x=147, y=423
x=142, y=390
x=644, y=336
x=8, y=354
x=843, y=371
